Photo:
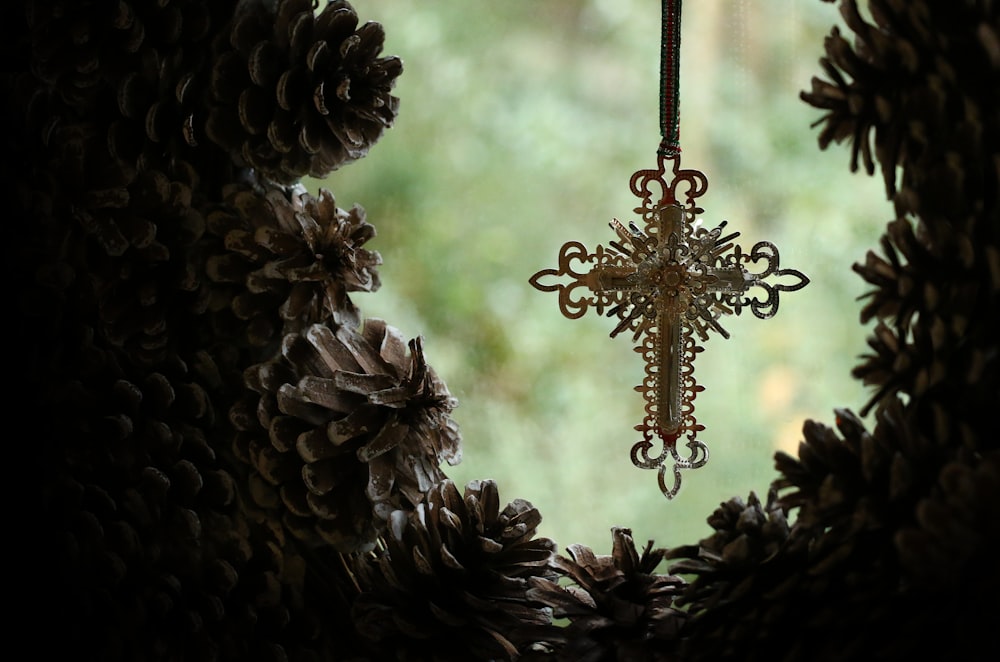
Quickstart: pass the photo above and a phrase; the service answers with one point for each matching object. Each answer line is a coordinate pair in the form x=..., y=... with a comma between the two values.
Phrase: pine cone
x=147, y=60
x=162, y=100
x=948, y=557
x=942, y=301
x=618, y=607
x=146, y=298
x=452, y=580
x=923, y=81
x=860, y=481
x=141, y=512
x=843, y=569
x=957, y=531
x=295, y=258
x=901, y=558
x=296, y=93
x=747, y=534
x=348, y=427
x=77, y=45
x=121, y=243
x=832, y=475
x=745, y=587
x=87, y=185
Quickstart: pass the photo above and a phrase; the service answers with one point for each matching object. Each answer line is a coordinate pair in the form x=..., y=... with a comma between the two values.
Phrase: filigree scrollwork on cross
x=668, y=283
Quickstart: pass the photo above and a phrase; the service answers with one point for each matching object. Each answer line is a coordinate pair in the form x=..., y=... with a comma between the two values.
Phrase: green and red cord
x=670, y=55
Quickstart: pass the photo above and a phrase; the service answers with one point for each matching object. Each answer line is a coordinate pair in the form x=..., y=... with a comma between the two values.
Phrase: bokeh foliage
x=520, y=125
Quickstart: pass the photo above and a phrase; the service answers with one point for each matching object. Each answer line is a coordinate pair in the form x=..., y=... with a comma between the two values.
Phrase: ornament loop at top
x=654, y=188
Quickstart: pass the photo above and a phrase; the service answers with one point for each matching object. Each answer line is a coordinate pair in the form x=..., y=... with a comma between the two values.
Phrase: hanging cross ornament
x=668, y=283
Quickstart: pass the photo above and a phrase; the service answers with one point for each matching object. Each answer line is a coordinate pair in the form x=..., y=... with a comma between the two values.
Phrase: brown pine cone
x=125, y=254
x=617, y=606
x=77, y=45
x=87, y=185
x=291, y=259
x=844, y=566
x=162, y=101
x=146, y=298
x=297, y=93
x=145, y=59
x=948, y=557
x=747, y=534
x=936, y=303
x=348, y=426
x=146, y=553
x=957, y=531
x=858, y=480
x=452, y=580
x=750, y=596
x=919, y=83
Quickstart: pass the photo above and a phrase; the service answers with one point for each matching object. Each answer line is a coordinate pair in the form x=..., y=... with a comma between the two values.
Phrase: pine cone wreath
x=618, y=607
x=347, y=427
x=296, y=93
x=452, y=580
x=287, y=259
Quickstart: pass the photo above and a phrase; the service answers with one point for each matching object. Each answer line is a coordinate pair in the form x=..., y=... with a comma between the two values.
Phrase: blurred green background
x=520, y=125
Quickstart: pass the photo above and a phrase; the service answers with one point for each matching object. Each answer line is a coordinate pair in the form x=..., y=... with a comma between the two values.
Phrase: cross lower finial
x=668, y=283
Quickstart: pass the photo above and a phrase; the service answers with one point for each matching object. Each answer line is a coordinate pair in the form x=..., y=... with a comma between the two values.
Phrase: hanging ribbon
x=670, y=56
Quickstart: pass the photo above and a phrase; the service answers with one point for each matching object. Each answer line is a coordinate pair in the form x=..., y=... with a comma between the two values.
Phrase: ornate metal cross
x=668, y=283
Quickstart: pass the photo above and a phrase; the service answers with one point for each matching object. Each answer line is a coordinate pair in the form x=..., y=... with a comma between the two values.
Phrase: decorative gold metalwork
x=668, y=284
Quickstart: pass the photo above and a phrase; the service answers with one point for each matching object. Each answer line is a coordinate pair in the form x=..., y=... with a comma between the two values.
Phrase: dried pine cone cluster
x=921, y=83
x=150, y=269
x=923, y=87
